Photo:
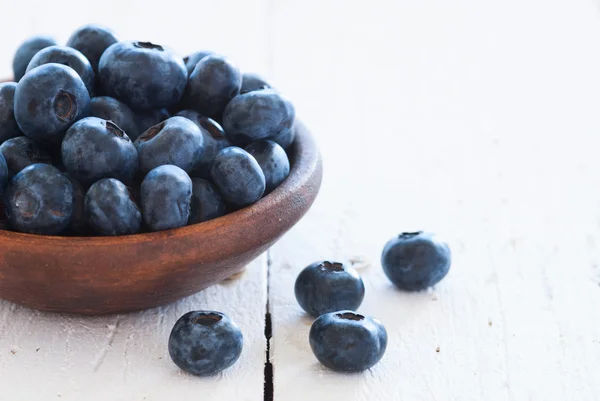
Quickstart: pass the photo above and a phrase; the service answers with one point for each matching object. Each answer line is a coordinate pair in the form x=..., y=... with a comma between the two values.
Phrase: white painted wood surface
x=474, y=119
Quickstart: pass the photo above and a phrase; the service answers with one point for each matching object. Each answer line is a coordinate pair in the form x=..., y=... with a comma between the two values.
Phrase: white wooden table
x=478, y=120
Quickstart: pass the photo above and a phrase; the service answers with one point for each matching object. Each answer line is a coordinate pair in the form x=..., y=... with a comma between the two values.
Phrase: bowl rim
x=305, y=163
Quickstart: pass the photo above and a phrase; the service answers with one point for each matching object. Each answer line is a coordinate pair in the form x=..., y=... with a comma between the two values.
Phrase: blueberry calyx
x=410, y=235
x=148, y=45
x=115, y=129
x=152, y=132
x=350, y=316
x=332, y=266
x=65, y=106
x=207, y=319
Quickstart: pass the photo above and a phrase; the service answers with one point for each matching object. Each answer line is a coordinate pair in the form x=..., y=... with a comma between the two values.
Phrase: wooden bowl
x=100, y=275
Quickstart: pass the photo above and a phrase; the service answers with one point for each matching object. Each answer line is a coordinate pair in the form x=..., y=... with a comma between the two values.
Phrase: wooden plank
x=476, y=120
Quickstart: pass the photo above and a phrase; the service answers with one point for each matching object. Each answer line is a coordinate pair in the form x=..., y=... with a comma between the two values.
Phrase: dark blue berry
x=8, y=124
x=345, y=341
x=143, y=75
x=147, y=119
x=214, y=141
x=253, y=82
x=166, y=195
x=48, y=100
x=257, y=115
x=272, y=160
x=39, y=200
x=207, y=202
x=21, y=152
x=238, y=176
x=212, y=84
x=94, y=148
x=193, y=59
x=3, y=175
x=78, y=224
x=176, y=141
x=204, y=343
x=66, y=56
x=109, y=108
x=324, y=287
x=26, y=51
x=285, y=138
x=92, y=41
x=111, y=210
x=415, y=261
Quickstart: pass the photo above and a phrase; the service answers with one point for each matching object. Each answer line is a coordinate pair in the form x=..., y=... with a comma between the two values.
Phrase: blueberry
x=193, y=59
x=78, y=224
x=48, y=100
x=26, y=51
x=39, y=200
x=3, y=175
x=92, y=41
x=21, y=152
x=324, y=287
x=147, y=119
x=345, y=341
x=166, y=195
x=272, y=160
x=110, y=208
x=214, y=141
x=285, y=138
x=143, y=75
x=8, y=124
x=204, y=343
x=109, y=108
x=66, y=56
x=415, y=261
x=238, y=176
x=257, y=115
x=212, y=84
x=253, y=82
x=176, y=141
x=207, y=202
x=94, y=148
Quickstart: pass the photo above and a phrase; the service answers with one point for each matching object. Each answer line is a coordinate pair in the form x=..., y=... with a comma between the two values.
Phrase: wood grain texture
x=475, y=120
x=98, y=275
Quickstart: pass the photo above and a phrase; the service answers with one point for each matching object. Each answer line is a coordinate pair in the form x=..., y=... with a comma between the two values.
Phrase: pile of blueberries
x=206, y=342
x=110, y=137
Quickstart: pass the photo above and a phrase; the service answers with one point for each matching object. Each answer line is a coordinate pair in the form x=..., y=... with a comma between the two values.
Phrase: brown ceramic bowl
x=99, y=275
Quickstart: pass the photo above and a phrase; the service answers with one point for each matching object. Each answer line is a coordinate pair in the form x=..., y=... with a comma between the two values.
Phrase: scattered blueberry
x=39, y=200
x=147, y=119
x=21, y=152
x=214, y=141
x=176, y=141
x=109, y=108
x=345, y=341
x=257, y=115
x=193, y=59
x=166, y=194
x=143, y=75
x=212, y=84
x=66, y=56
x=204, y=343
x=3, y=175
x=8, y=124
x=26, y=51
x=110, y=208
x=78, y=224
x=253, y=82
x=207, y=202
x=415, y=261
x=48, y=100
x=94, y=148
x=324, y=287
x=238, y=176
x=92, y=41
x=272, y=160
